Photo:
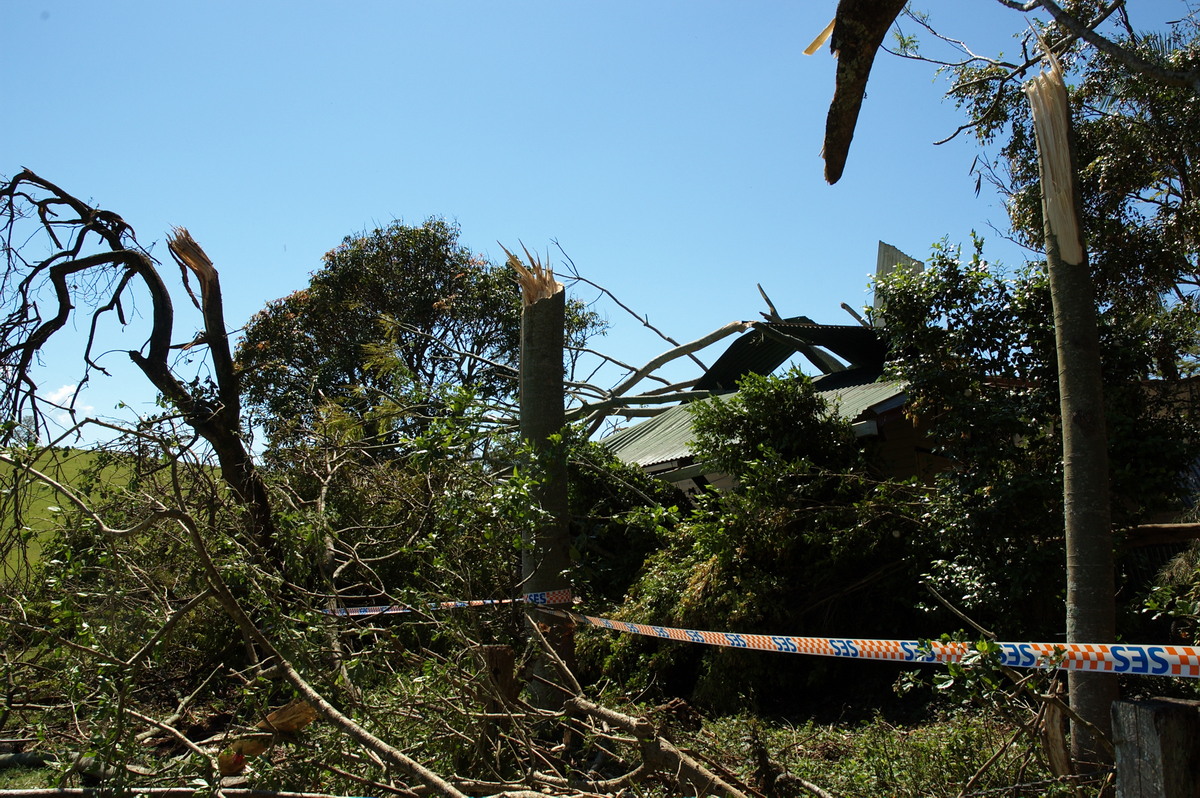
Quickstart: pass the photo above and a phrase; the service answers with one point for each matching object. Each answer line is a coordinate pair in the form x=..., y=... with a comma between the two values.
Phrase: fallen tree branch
x=1021, y=683
x=163, y=792
x=326, y=710
x=180, y=709
x=659, y=755
x=178, y=735
x=604, y=408
x=678, y=352
x=808, y=785
x=602, y=786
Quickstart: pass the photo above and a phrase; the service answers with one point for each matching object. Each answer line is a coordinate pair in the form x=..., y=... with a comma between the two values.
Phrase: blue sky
x=670, y=146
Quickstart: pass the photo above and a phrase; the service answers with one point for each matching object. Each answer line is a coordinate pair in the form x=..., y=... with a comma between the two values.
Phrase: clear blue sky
x=670, y=146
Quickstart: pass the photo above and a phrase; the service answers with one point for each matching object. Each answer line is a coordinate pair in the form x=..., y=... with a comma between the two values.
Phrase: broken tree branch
x=678, y=352
x=644, y=319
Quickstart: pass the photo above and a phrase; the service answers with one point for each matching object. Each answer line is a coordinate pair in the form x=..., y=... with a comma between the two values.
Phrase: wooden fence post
x=1158, y=748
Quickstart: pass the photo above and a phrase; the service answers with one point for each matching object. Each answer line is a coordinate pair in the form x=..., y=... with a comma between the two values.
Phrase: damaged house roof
x=667, y=437
x=852, y=386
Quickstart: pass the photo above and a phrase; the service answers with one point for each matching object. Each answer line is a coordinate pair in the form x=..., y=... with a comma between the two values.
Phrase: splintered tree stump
x=499, y=677
x=545, y=551
x=1087, y=522
x=497, y=692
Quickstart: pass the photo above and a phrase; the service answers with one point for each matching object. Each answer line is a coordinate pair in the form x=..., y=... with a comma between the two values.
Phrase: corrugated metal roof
x=667, y=437
x=854, y=400
x=660, y=439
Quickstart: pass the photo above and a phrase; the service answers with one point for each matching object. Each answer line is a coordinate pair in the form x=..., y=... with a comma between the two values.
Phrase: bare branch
x=172, y=620
x=1012, y=72
x=678, y=352
x=590, y=412
x=644, y=319
x=615, y=362
x=78, y=503
x=659, y=753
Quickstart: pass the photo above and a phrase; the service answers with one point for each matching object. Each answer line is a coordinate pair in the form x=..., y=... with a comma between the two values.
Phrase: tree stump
x=1158, y=748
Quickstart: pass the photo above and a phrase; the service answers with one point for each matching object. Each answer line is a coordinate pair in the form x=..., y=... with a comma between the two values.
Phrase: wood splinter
x=536, y=281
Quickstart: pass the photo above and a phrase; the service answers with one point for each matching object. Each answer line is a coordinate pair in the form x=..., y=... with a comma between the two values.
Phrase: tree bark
x=545, y=553
x=219, y=421
x=1091, y=610
x=1091, y=605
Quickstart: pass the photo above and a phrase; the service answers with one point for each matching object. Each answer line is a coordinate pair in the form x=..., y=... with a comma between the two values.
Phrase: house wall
x=903, y=449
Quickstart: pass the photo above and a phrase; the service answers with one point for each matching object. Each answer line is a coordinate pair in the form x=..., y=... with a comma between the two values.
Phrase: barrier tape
x=539, y=599
x=1183, y=661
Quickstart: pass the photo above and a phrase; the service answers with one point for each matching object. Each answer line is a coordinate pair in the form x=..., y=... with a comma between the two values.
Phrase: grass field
x=31, y=507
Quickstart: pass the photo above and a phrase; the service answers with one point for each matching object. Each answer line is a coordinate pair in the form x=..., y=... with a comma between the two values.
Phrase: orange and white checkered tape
x=1181, y=661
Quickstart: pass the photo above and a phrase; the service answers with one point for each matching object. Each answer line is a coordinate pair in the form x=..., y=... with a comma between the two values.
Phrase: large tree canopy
x=975, y=344
x=397, y=314
x=446, y=316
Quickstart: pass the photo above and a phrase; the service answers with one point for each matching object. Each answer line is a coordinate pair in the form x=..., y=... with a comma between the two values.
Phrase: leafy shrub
x=808, y=543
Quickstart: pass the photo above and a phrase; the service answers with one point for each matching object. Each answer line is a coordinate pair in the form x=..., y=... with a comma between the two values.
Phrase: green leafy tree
x=316, y=343
x=1138, y=169
x=1125, y=241
x=976, y=347
x=406, y=295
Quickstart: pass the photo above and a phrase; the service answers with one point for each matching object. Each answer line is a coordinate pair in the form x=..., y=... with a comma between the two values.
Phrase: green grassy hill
x=31, y=507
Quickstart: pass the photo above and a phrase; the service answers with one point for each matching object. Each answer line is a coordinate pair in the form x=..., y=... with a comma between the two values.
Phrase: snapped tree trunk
x=545, y=553
x=1091, y=604
x=219, y=421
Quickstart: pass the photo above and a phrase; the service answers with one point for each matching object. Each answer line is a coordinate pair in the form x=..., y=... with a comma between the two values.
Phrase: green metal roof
x=667, y=437
x=660, y=439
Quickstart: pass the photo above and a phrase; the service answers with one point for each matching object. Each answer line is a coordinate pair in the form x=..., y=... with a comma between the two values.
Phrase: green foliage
x=412, y=528
x=775, y=417
x=109, y=592
x=1137, y=172
x=997, y=416
x=316, y=343
x=976, y=347
x=806, y=540
x=425, y=517
x=871, y=758
x=1137, y=158
x=1176, y=596
x=615, y=510
x=392, y=310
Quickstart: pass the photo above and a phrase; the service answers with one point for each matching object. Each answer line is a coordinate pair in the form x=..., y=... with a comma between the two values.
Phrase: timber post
x=1158, y=748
